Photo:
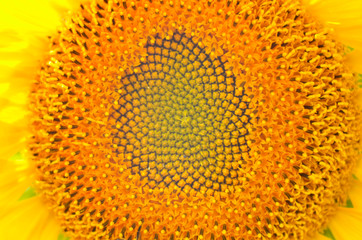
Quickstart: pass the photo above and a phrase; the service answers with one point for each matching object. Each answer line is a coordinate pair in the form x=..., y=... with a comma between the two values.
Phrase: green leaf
x=349, y=204
x=17, y=156
x=29, y=193
x=328, y=233
x=62, y=237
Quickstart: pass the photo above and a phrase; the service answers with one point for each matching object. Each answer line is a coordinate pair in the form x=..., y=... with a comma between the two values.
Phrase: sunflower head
x=193, y=120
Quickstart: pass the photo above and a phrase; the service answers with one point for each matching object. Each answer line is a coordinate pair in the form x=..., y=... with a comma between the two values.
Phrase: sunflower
x=180, y=119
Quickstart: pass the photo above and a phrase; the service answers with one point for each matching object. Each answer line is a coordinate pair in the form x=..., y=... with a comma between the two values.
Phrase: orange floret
x=193, y=120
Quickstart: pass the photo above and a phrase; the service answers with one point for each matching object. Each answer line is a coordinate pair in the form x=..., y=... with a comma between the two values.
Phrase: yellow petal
x=355, y=194
x=12, y=114
x=345, y=18
x=48, y=231
x=346, y=225
x=321, y=237
x=15, y=178
x=12, y=138
x=24, y=27
x=36, y=16
x=26, y=220
x=354, y=60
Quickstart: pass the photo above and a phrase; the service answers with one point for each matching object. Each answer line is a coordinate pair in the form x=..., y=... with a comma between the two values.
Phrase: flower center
x=181, y=119
x=193, y=120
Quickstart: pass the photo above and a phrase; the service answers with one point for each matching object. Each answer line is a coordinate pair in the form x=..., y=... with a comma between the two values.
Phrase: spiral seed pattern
x=181, y=119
